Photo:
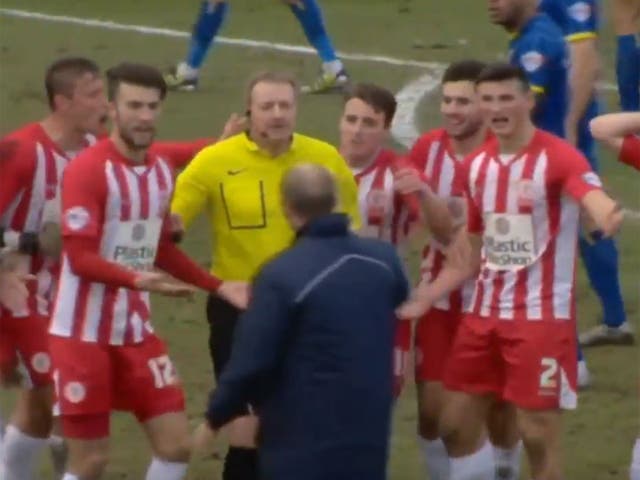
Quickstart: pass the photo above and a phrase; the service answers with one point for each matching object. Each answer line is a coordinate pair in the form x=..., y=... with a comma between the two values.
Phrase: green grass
x=598, y=435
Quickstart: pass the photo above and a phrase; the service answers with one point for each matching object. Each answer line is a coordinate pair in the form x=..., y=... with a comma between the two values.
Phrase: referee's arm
x=193, y=187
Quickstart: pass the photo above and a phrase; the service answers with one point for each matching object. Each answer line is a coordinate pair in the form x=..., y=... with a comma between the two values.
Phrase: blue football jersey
x=540, y=49
x=578, y=19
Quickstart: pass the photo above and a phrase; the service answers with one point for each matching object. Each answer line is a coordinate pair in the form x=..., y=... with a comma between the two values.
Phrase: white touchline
x=242, y=42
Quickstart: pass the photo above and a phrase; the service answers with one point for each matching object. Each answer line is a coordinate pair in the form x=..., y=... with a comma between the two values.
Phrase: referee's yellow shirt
x=239, y=186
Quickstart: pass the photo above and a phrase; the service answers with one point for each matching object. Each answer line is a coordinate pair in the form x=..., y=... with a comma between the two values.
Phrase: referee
x=237, y=181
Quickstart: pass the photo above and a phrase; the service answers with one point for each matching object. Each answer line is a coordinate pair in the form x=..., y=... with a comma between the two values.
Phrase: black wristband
x=176, y=237
x=2, y=245
x=29, y=243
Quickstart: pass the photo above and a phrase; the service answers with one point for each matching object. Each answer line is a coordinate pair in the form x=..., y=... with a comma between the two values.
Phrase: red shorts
x=434, y=336
x=25, y=340
x=93, y=379
x=532, y=364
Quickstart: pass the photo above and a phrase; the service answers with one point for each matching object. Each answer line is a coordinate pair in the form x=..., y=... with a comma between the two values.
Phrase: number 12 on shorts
x=162, y=370
x=548, y=378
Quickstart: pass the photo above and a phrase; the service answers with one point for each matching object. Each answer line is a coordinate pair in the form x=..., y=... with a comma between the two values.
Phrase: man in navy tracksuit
x=313, y=352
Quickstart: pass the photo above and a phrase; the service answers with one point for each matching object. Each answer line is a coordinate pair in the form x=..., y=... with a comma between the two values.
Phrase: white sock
x=436, y=459
x=186, y=71
x=635, y=461
x=163, y=470
x=334, y=67
x=477, y=466
x=20, y=452
x=507, y=462
x=70, y=476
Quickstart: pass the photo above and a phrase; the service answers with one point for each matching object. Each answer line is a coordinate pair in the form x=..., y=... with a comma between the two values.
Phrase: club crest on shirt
x=138, y=232
x=526, y=195
x=502, y=226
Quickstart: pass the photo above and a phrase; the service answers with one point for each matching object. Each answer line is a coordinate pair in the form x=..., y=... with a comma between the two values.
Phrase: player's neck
x=464, y=146
x=136, y=156
x=519, y=139
x=62, y=134
x=523, y=20
x=360, y=162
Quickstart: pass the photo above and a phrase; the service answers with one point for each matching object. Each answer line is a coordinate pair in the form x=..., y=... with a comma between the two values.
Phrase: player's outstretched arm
x=611, y=128
x=462, y=262
x=605, y=212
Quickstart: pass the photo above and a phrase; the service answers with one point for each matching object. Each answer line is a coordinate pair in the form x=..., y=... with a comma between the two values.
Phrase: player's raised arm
x=612, y=129
x=585, y=187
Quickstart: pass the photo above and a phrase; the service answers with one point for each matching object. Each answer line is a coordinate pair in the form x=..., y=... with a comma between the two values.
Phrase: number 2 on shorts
x=162, y=370
x=550, y=368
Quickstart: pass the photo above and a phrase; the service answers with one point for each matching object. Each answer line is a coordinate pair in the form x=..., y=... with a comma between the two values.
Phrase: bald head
x=309, y=191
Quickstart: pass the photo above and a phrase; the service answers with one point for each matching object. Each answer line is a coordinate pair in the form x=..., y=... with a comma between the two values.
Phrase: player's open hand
x=407, y=181
x=13, y=289
x=162, y=283
x=236, y=293
x=203, y=438
x=413, y=308
x=235, y=124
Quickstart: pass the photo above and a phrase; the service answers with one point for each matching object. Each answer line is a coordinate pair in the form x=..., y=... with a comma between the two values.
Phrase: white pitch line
x=242, y=42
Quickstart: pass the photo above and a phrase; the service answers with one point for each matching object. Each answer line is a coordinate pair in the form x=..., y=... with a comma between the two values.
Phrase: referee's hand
x=236, y=293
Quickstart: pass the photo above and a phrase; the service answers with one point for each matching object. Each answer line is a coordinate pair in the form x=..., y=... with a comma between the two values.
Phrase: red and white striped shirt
x=385, y=214
x=125, y=206
x=630, y=151
x=526, y=207
x=32, y=166
x=433, y=156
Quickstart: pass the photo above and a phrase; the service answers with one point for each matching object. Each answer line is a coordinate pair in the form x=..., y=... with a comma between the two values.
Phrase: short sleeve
x=582, y=20
x=193, y=186
x=537, y=58
x=84, y=193
x=630, y=151
x=576, y=175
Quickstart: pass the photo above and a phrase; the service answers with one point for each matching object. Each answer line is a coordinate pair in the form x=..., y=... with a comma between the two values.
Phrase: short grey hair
x=309, y=190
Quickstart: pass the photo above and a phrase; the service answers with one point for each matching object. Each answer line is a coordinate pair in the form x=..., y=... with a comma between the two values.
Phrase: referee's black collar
x=332, y=225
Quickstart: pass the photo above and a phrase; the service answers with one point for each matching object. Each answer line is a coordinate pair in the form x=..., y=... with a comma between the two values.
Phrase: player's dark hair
x=270, y=76
x=501, y=72
x=463, y=71
x=379, y=98
x=61, y=75
x=137, y=74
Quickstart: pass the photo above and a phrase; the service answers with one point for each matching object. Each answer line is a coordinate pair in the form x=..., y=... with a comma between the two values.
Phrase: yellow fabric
x=537, y=89
x=239, y=187
x=576, y=37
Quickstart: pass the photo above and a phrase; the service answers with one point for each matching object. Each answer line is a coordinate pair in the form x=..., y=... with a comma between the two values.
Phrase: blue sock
x=628, y=72
x=601, y=262
x=210, y=19
x=580, y=354
x=310, y=18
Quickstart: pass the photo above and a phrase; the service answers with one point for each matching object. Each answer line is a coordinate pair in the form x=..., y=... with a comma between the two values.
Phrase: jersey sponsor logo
x=136, y=243
x=75, y=392
x=76, y=218
x=508, y=241
x=531, y=61
x=580, y=11
x=138, y=232
x=592, y=179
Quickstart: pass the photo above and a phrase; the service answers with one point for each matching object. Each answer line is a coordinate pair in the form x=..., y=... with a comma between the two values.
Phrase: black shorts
x=222, y=317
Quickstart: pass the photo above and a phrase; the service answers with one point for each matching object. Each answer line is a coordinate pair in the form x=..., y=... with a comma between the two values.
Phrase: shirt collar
x=253, y=146
x=332, y=225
